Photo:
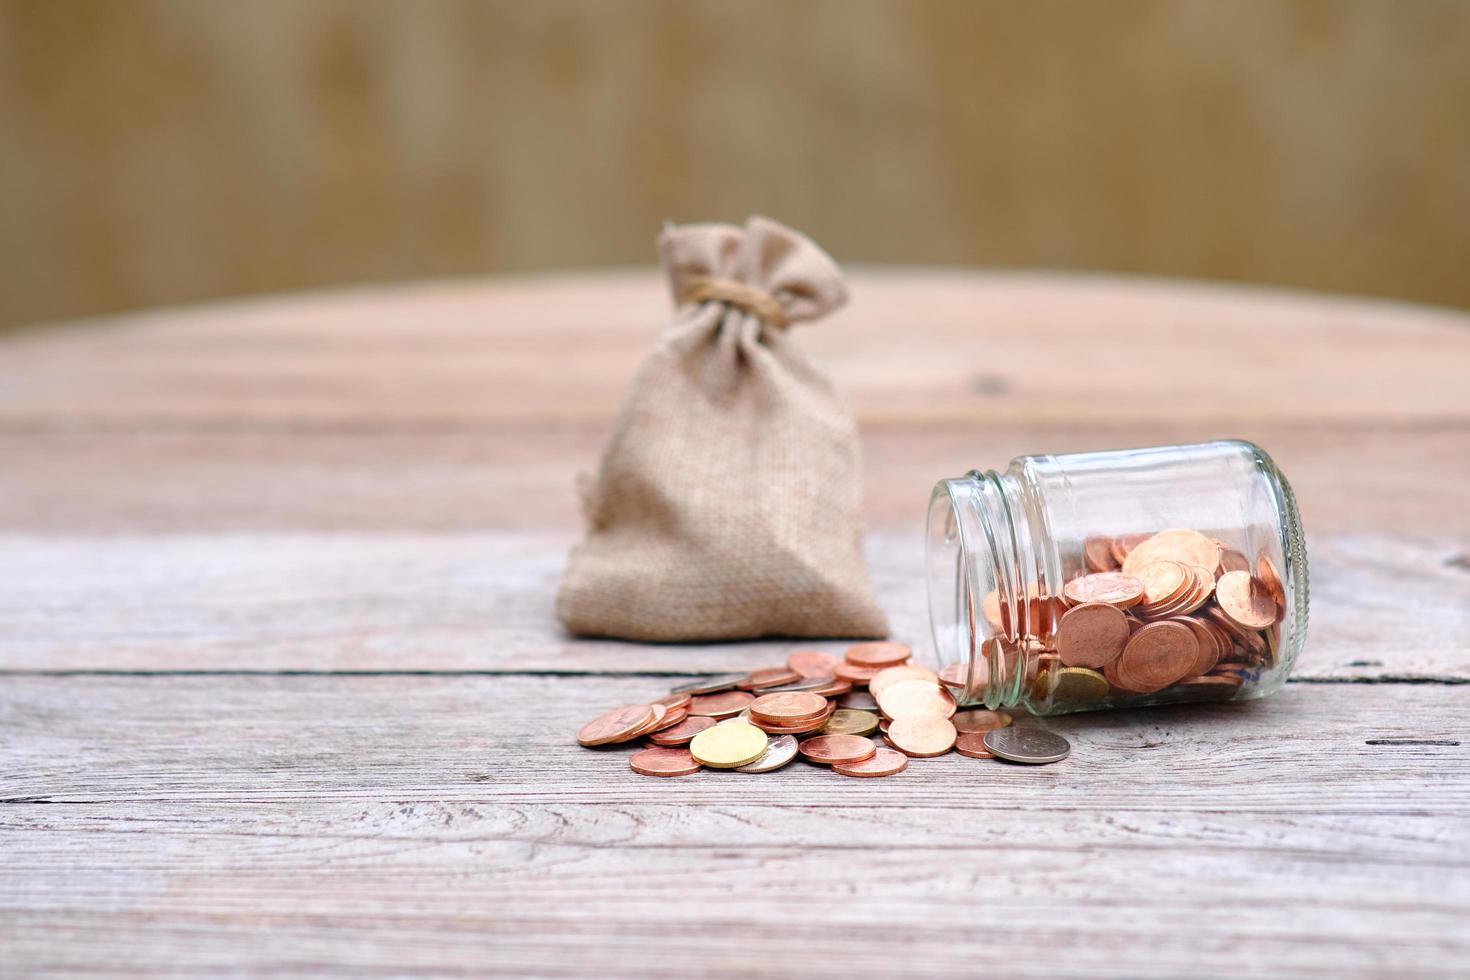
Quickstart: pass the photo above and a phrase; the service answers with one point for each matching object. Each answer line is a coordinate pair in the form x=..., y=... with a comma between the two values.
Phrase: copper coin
x=893, y=675
x=881, y=654
x=1209, y=644
x=672, y=717
x=1098, y=553
x=922, y=736
x=1245, y=600
x=1163, y=581
x=1157, y=656
x=859, y=700
x=954, y=675
x=672, y=701
x=1091, y=635
x=795, y=728
x=682, y=733
x=1211, y=687
x=885, y=762
x=972, y=744
x=856, y=673
x=1232, y=560
x=1122, y=546
x=663, y=761
x=1267, y=576
x=979, y=720
x=709, y=685
x=652, y=724
x=1114, y=679
x=1114, y=588
x=615, y=724
x=1177, y=544
x=779, y=751
x=722, y=705
x=831, y=750
x=832, y=690
x=812, y=663
x=768, y=677
x=789, y=709
x=916, y=697
x=883, y=725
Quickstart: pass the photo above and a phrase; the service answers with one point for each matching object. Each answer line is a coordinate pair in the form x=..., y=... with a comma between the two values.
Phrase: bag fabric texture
x=728, y=500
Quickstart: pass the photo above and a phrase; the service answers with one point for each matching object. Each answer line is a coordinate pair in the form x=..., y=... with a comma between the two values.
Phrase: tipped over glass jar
x=1117, y=579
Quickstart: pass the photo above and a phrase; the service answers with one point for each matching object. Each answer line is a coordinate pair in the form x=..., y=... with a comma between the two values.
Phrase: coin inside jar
x=1091, y=635
x=1246, y=601
x=1114, y=588
x=1157, y=656
x=1176, y=544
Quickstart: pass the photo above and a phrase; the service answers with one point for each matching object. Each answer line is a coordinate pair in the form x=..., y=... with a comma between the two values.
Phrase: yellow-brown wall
x=157, y=151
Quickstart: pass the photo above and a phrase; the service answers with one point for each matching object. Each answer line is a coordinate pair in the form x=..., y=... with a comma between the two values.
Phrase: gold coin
x=728, y=746
x=847, y=721
x=1078, y=685
x=979, y=720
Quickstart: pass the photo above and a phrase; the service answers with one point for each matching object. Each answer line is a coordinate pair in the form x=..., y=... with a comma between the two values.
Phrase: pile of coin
x=1176, y=613
x=821, y=709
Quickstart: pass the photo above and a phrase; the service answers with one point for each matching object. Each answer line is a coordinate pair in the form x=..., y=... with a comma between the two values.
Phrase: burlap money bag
x=727, y=504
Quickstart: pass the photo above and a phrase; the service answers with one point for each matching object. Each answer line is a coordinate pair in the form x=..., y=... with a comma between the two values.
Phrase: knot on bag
x=764, y=268
x=704, y=289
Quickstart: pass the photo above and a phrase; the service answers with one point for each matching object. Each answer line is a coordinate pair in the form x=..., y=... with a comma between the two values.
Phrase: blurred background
x=164, y=151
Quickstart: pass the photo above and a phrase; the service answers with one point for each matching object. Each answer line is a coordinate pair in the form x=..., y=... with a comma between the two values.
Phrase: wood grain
x=386, y=824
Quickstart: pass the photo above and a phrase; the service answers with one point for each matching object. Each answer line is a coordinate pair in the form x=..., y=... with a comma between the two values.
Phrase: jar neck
x=1004, y=572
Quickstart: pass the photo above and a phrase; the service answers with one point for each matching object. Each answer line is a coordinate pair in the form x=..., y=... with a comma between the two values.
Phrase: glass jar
x=1112, y=579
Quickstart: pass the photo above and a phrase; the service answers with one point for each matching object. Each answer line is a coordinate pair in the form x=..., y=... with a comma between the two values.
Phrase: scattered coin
x=615, y=725
x=889, y=676
x=884, y=762
x=768, y=677
x=846, y=721
x=1028, y=744
x=672, y=701
x=916, y=697
x=729, y=746
x=880, y=654
x=837, y=749
x=682, y=733
x=709, y=685
x=856, y=673
x=662, y=761
x=791, y=708
x=972, y=744
x=922, y=735
x=813, y=684
x=812, y=663
x=779, y=751
x=721, y=705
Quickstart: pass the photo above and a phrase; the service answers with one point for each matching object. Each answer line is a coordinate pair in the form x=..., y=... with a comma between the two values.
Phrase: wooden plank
x=1350, y=479
x=392, y=824
x=483, y=602
x=510, y=740
x=917, y=346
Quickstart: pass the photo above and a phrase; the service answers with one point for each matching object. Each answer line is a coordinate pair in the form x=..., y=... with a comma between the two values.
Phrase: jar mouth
x=967, y=601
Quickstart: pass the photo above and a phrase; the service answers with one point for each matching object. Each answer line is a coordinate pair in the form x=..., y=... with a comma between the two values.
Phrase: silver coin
x=780, y=750
x=861, y=700
x=1028, y=744
x=805, y=684
x=709, y=685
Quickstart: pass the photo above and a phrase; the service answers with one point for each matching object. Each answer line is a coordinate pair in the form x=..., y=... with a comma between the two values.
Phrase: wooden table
x=283, y=692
